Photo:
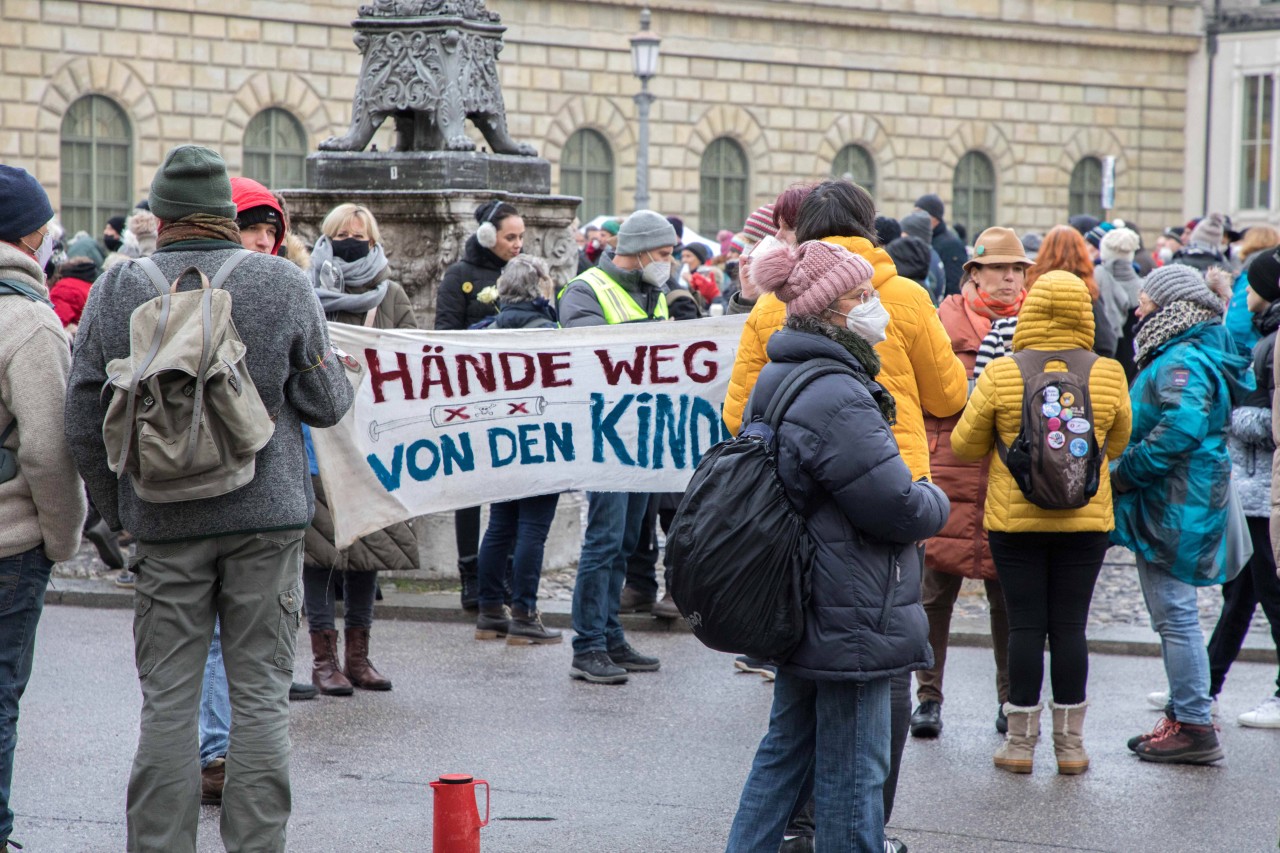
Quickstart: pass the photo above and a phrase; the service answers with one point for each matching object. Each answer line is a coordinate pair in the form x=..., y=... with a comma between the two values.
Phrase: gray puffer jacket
x=1249, y=441
x=841, y=467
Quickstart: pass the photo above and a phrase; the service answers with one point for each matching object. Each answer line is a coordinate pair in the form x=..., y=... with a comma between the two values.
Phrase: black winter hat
x=700, y=250
x=117, y=223
x=931, y=204
x=257, y=215
x=1084, y=223
x=26, y=205
x=1264, y=275
x=911, y=256
x=888, y=229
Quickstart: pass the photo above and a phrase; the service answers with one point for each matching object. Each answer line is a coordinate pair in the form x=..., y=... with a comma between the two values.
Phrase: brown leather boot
x=359, y=668
x=325, y=674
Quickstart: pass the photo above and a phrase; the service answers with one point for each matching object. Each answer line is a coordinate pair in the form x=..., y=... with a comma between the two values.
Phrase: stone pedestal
x=424, y=231
x=427, y=170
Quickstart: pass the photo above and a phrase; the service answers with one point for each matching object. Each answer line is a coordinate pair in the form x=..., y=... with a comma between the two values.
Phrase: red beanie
x=810, y=277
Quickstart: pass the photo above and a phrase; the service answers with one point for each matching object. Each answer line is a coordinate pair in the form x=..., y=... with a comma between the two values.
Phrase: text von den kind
x=643, y=428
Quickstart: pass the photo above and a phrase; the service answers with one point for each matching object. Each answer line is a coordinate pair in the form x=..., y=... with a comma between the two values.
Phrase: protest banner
x=444, y=420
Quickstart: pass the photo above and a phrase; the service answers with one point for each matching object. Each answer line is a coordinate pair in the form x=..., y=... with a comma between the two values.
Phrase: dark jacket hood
x=479, y=256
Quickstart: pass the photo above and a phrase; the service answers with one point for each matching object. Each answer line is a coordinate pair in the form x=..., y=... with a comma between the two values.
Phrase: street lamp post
x=644, y=64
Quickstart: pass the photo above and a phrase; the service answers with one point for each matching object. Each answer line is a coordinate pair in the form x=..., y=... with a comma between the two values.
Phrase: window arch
x=97, y=163
x=723, y=205
x=586, y=170
x=1086, y=188
x=973, y=194
x=854, y=163
x=275, y=149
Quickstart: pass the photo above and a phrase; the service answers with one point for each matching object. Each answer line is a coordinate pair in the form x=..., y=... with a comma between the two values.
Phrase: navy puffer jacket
x=842, y=470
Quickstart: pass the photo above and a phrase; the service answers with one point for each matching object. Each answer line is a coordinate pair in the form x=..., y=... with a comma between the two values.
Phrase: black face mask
x=112, y=243
x=350, y=250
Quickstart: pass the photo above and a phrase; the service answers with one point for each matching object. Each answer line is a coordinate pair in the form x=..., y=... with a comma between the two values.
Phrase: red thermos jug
x=457, y=818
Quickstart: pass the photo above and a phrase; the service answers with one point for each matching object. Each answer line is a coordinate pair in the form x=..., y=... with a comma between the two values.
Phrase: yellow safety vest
x=618, y=305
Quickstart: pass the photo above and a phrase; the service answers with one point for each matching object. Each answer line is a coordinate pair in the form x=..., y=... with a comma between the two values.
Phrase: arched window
x=1086, y=188
x=973, y=194
x=724, y=187
x=97, y=164
x=275, y=150
x=586, y=170
x=854, y=163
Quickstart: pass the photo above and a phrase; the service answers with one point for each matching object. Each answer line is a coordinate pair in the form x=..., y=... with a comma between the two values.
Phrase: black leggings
x=1048, y=581
x=1256, y=584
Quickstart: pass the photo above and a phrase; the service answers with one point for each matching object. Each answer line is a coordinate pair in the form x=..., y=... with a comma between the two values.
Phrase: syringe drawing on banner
x=463, y=414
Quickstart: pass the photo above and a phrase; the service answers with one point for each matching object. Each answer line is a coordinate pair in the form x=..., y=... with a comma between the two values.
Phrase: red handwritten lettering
x=508, y=378
x=378, y=376
x=655, y=359
x=613, y=372
x=548, y=364
x=709, y=368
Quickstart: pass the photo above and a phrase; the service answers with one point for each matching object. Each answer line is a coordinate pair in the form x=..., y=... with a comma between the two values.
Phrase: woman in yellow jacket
x=919, y=368
x=1048, y=560
x=917, y=365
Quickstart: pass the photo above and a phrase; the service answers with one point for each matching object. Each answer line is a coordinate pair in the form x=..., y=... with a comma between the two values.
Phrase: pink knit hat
x=811, y=276
x=760, y=224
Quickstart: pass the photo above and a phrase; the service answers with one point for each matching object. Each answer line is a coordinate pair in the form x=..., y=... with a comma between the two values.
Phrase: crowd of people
x=1135, y=382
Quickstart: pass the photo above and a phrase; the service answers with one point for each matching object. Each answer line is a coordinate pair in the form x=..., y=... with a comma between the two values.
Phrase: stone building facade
x=1003, y=107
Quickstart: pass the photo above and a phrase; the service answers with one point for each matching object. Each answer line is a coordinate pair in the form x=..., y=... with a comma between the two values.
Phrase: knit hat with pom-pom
x=810, y=277
x=1120, y=243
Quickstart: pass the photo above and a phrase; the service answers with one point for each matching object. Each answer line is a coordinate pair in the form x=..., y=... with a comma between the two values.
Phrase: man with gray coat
x=41, y=498
x=236, y=556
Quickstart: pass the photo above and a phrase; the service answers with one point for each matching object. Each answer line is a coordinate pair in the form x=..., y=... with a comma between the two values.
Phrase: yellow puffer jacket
x=1057, y=315
x=917, y=365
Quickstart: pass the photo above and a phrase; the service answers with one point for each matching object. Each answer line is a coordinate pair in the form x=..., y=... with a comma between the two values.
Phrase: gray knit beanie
x=1208, y=232
x=917, y=225
x=644, y=231
x=1180, y=283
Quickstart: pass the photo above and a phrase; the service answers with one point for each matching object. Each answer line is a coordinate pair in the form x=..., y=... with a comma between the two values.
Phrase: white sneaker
x=1160, y=701
x=1265, y=716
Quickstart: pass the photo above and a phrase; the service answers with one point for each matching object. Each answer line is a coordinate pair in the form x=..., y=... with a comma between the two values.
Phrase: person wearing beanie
x=760, y=224
x=609, y=232
x=1031, y=243
x=724, y=237
x=694, y=255
x=113, y=234
x=1203, y=247
x=678, y=224
x=866, y=511
x=946, y=243
x=888, y=229
x=918, y=224
x=628, y=287
x=1047, y=560
x=1094, y=239
x=911, y=257
x=235, y=556
x=1084, y=223
x=76, y=276
x=992, y=291
x=919, y=369
x=1257, y=247
x=1118, y=286
x=1172, y=484
x=258, y=216
x=41, y=498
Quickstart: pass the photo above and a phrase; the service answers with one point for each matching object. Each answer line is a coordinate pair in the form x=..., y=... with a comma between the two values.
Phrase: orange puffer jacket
x=917, y=365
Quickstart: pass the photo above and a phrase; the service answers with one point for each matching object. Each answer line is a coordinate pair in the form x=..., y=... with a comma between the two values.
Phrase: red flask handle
x=486, y=800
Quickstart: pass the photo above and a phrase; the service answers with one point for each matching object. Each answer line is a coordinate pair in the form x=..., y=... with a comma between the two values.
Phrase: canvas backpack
x=185, y=420
x=739, y=554
x=1055, y=458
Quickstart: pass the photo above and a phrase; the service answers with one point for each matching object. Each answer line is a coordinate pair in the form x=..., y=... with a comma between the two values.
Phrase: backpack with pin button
x=1055, y=458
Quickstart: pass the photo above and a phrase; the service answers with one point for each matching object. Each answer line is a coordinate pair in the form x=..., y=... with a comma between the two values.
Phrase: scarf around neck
x=1166, y=324
x=862, y=351
x=333, y=277
x=985, y=305
x=199, y=226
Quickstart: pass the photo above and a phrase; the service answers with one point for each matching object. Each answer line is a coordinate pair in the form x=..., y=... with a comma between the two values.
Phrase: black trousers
x=1256, y=584
x=466, y=532
x=1048, y=581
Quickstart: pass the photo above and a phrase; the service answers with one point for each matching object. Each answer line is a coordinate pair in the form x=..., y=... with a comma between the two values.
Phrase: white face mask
x=868, y=320
x=657, y=273
x=765, y=246
x=45, y=250
x=1166, y=254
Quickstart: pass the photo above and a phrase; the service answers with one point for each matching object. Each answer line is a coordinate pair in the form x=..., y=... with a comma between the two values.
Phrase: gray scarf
x=333, y=277
x=1166, y=324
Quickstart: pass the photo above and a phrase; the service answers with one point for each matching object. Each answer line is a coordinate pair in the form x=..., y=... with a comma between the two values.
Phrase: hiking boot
x=1160, y=700
x=493, y=623
x=527, y=630
x=299, y=691
x=666, y=608
x=1182, y=743
x=107, y=545
x=1018, y=751
x=597, y=668
x=635, y=601
x=742, y=663
x=927, y=719
x=1165, y=722
x=359, y=670
x=1068, y=738
x=631, y=660
x=1002, y=722
x=1265, y=716
x=469, y=574
x=212, y=779
x=326, y=675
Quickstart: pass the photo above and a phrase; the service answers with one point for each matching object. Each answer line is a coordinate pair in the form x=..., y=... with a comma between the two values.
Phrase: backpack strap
x=153, y=272
x=791, y=387
x=8, y=431
x=131, y=406
x=228, y=267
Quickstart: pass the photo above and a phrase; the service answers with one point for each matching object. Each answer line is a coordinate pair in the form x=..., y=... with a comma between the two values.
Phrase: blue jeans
x=518, y=527
x=215, y=704
x=1176, y=618
x=839, y=731
x=23, y=578
x=613, y=529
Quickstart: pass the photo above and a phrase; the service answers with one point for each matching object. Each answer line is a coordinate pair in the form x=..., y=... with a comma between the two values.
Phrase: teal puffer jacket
x=1171, y=483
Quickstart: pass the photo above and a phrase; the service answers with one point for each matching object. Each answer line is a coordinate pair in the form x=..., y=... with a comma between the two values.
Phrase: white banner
x=444, y=420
